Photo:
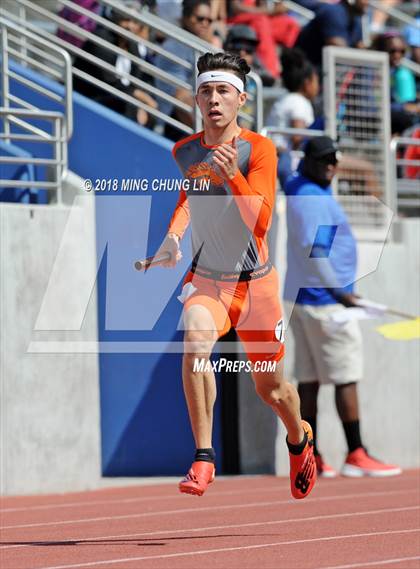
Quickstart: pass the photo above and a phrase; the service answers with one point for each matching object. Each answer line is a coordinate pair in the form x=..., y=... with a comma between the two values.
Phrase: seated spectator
x=119, y=79
x=412, y=37
x=172, y=11
x=219, y=17
x=196, y=19
x=405, y=109
x=272, y=25
x=243, y=41
x=293, y=110
x=80, y=20
x=412, y=155
x=403, y=83
x=337, y=24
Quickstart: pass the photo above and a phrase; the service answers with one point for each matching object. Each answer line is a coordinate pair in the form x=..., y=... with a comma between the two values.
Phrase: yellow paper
x=403, y=330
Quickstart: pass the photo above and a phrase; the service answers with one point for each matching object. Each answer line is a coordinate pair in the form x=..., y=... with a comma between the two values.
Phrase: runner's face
x=219, y=104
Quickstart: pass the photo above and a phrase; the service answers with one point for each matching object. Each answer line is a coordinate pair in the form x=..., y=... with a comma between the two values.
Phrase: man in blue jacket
x=338, y=24
x=321, y=270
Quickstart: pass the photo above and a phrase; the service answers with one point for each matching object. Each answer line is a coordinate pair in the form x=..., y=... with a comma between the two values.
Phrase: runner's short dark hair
x=227, y=61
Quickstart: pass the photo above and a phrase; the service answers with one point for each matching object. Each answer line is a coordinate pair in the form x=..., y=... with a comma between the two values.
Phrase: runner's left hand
x=226, y=158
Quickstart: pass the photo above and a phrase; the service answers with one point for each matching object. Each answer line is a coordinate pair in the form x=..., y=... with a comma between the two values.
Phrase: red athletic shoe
x=199, y=476
x=303, y=467
x=323, y=469
x=359, y=463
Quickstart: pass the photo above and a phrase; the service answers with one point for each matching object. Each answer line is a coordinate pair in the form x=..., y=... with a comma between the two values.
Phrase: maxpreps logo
x=203, y=172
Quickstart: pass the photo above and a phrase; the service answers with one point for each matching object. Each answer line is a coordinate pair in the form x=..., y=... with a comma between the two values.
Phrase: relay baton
x=153, y=261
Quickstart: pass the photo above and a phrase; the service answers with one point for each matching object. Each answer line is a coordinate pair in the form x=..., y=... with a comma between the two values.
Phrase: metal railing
x=405, y=170
x=28, y=8
x=26, y=122
x=407, y=175
x=394, y=13
x=56, y=165
x=301, y=10
x=20, y=45
x=286, y=131
x=305, y=133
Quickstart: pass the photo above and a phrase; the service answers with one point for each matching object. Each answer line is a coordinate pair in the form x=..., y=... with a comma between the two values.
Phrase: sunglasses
x=202, y=19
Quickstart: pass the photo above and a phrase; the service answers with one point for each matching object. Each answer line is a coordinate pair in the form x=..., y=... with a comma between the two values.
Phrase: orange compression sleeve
x=257, y=191
x=181, y=216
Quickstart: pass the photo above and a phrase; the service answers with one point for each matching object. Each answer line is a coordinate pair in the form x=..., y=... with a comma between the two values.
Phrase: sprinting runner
x=231, y=283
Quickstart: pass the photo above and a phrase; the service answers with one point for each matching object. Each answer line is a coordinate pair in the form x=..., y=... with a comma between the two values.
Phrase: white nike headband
x=220, y=76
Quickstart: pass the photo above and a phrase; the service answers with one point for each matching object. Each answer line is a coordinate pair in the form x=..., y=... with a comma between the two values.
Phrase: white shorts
x=324, y=351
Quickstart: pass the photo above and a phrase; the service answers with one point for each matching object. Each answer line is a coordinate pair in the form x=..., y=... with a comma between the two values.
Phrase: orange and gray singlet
x=229, y=228
x=231, y=272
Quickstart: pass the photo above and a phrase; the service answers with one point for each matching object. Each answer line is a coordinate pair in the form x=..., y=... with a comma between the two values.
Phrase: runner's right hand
x=170, y=245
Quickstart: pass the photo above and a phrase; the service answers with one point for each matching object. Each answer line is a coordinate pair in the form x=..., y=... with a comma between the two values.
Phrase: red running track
x=240, y=523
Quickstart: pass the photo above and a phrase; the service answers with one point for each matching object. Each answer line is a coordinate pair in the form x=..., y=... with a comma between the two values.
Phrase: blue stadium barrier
x=19, y=172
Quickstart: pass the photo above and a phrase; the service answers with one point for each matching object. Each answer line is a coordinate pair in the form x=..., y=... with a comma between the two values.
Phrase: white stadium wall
x=50, y=426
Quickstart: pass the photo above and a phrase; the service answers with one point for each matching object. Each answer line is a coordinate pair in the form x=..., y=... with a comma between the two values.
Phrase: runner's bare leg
x=199, y=387
x=283, y=398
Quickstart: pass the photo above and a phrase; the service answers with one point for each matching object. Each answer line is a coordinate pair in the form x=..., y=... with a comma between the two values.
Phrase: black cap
x=241, y=33
x=321, y=146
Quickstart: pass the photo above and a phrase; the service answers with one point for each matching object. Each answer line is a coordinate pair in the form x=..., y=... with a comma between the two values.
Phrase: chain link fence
x=357, y=111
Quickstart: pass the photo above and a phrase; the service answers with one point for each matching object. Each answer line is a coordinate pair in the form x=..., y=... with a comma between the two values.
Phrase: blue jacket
x=321, y=249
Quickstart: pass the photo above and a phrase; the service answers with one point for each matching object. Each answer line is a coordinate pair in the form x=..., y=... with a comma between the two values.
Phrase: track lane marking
x=202, y=509
x=133, y=500
x=226, y=549
x=214, y=528
x=373, y=563
x=214, y=494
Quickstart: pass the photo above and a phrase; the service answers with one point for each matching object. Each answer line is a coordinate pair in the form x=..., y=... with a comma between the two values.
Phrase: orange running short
x=251, y=307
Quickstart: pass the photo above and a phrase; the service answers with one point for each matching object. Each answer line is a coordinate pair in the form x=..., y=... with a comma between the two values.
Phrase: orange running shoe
x=303, y=467
x=359, y=463
x=324, y=470
x=199, y=476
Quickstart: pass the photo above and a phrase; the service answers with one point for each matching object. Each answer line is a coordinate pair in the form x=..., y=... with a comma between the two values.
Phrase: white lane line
x=226, y=549
x=282, y=484
x=203, y=509
x=213, y=528
x=173, y=496
x=373, y=563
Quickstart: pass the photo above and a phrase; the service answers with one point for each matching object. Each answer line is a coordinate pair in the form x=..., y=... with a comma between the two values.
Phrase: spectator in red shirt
x=412, y=153
x=273, y=27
